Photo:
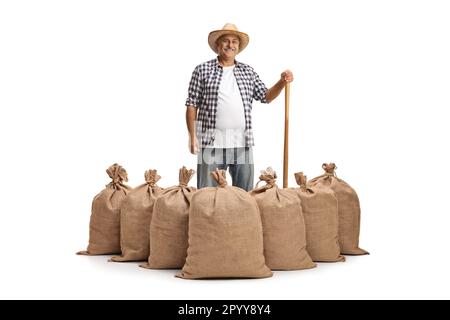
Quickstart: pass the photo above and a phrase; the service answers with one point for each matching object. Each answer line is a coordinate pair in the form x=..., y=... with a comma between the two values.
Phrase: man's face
x=228, y=46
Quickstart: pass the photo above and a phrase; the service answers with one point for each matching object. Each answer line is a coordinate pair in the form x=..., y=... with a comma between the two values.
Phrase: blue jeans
x=238, y=160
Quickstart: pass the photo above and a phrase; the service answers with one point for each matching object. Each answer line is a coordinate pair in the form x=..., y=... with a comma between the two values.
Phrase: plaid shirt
x=203, y=94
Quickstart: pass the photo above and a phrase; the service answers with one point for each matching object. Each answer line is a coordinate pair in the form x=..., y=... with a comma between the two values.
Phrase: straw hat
x=228, y=28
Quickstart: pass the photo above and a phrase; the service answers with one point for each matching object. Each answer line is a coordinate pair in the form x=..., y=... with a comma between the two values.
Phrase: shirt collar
x=236, y=63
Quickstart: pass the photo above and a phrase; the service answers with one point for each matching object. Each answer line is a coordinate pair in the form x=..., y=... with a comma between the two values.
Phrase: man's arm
x=191, y=117
x=275, y=91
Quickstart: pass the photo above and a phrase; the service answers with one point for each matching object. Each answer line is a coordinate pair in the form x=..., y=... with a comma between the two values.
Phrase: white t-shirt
x=230, y=117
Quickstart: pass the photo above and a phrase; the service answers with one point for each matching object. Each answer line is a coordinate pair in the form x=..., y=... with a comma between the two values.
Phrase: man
x=219, y=104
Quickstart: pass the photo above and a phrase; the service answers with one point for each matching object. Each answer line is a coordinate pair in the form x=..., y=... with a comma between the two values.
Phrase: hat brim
x=214, y=35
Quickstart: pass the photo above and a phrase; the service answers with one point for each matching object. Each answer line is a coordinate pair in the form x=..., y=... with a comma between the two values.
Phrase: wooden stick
x=286, y=135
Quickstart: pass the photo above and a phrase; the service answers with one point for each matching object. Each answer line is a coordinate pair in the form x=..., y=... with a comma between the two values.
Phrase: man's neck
x=226, y=62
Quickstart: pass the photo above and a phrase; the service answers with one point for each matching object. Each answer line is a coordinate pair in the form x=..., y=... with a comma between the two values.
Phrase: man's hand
x=193, y=145
x=287, y=76
x=273, y=92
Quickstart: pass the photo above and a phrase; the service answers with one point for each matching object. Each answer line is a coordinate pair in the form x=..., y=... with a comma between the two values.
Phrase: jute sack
x=104, y=226
x=283, y=225
x=348, y=207
x=225, y=234
x=135, y=217
x=169, y=227
x=320, y=210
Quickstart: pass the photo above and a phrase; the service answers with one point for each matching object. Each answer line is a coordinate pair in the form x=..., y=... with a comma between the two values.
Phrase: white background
x=84, y=84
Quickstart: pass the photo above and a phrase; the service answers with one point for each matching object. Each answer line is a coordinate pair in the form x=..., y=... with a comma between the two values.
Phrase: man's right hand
x=193, y=146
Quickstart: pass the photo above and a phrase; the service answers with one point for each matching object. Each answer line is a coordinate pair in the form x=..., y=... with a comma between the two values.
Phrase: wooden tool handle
x=286, y=135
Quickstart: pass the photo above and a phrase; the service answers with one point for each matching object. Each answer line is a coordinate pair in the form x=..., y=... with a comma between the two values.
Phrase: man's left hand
x=287, y=76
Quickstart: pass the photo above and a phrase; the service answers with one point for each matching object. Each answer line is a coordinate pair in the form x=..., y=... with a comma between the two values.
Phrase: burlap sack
x=135, y=217
x=348, y=206
x=104, y=227
x=169, y=227
x=320, y=210
x=225, y=234
x=283, y=225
